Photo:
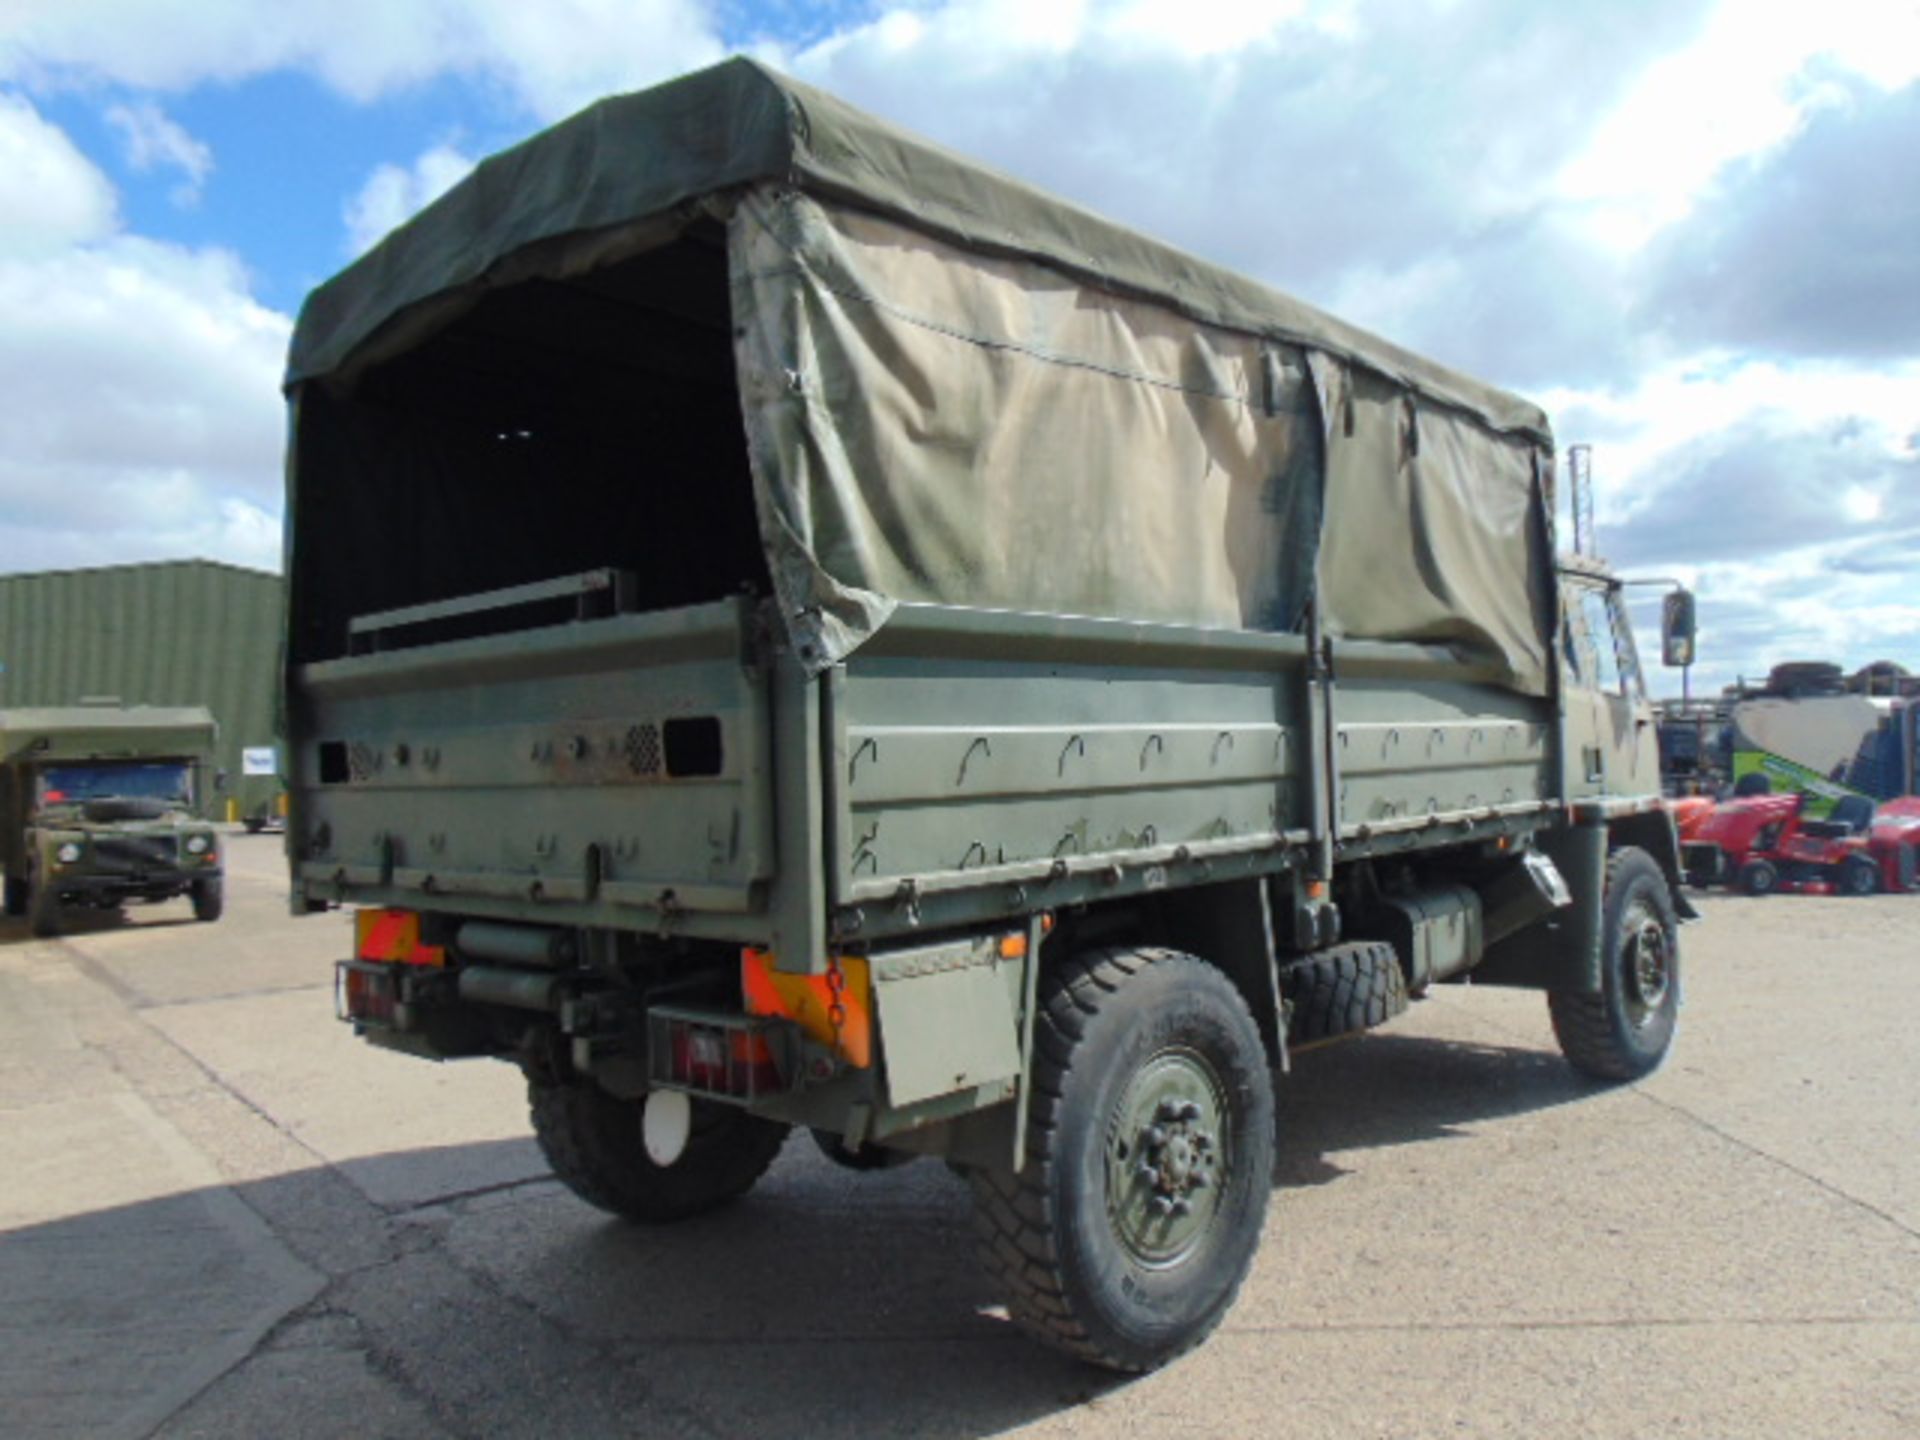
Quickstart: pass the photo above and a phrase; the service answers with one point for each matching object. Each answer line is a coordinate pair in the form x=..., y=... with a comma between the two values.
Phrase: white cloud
x=1797, y=522
x=550, y=57
x=142, y=416
x=1859, y=503
x=1738, y=90
x=1639, y=430
x=393, y=194
x=1493, y=182
x=152, y=141
x=51, y=194
x=143, y=411
x=1195, y=28
x=561, y=54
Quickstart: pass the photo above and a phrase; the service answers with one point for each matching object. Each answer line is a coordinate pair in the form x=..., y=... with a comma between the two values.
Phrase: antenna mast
x=1580, y=497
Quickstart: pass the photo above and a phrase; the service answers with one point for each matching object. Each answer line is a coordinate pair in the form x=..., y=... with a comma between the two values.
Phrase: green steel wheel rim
x=1167, y=1152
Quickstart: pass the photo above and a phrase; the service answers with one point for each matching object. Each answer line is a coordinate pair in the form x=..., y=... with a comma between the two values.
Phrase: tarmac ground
x=222, y=1215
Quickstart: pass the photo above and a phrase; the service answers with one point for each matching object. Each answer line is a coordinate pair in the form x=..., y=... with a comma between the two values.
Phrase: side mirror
x=1677, y=628
x=219, y=780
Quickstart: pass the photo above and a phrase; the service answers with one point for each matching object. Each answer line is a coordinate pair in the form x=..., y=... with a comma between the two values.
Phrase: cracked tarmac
x=223, y=1216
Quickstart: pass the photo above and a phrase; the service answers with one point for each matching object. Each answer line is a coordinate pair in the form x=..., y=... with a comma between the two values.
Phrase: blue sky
x=1686, y=227
x=276, y=190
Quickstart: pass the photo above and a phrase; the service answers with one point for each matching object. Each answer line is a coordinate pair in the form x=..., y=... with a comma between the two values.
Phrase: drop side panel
x=610, y=772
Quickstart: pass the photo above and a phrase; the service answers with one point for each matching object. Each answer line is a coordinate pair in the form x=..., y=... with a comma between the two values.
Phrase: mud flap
x=948, y=1019
x=1562, y=952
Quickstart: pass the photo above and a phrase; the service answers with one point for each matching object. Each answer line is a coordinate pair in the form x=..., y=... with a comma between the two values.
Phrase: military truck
x=101, y=805
x=792, y=628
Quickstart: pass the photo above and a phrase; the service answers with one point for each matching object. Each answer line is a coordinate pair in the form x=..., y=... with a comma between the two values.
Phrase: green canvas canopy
x=953, y=388
x=634, y=157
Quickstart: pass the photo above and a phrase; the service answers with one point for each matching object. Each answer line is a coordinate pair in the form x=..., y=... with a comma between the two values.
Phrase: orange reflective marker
x=393, y=935
x=839, y=1015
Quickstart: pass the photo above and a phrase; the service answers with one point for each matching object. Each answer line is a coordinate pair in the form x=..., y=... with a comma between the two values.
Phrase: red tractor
x=1763, y=842
x=1895, y=838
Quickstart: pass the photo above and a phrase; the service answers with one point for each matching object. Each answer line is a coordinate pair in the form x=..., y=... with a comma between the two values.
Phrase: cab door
x=1611, y=744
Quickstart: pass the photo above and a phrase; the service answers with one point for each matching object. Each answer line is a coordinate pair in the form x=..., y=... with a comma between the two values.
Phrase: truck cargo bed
x=966, y=763
x=612, y=771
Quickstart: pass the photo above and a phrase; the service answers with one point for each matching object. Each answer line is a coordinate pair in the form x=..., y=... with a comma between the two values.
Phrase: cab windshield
x=143, y=779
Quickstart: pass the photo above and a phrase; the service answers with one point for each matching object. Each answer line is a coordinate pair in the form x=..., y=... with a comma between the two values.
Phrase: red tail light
x=365, y=993
x=732, y=1057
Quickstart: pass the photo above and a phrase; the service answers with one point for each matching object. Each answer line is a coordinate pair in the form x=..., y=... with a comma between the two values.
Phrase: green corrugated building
x=179, y=632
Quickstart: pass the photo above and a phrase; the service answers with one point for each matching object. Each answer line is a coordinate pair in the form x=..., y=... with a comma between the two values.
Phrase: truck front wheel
x=1623, y=1032
x=1126, y=1234
x=598, y=1147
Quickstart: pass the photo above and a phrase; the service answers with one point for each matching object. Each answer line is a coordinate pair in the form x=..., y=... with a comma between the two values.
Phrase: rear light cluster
x=366, y=993
x=367, y=989
x=733, y=1057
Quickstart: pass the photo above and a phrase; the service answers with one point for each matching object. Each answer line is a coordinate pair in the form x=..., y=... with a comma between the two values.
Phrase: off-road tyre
x=1343, y=990
x=1624, y=1032
x=1858, y=876
x=209, y=899
x=1757, y=877
x=1072, y=1239
x=594, y=1143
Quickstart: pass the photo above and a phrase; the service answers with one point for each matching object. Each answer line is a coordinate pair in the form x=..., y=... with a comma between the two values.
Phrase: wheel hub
x=1165, y=1154
x=1649, y=968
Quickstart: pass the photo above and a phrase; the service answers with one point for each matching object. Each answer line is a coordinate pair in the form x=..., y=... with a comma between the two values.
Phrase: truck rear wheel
x=596, y=1144
x=1623, y=1032
x=1125, y=1236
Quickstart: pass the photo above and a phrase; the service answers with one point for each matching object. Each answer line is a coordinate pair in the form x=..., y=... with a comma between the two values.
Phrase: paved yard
x=220, y=1215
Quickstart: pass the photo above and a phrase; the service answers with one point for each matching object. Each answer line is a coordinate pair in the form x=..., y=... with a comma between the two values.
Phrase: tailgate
x=610, y=771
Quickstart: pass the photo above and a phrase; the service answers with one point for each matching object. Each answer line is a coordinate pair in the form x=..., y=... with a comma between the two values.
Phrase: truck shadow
x=1385, y=1089
x=826, y=1303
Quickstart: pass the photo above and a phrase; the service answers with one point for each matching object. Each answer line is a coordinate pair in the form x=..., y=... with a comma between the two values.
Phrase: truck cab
x=1612, y=745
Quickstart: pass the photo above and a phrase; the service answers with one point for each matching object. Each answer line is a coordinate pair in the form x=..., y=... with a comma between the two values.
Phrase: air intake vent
x=643, y=749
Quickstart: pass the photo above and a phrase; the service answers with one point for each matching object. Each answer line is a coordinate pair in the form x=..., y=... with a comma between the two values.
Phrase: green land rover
x=100, y=805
